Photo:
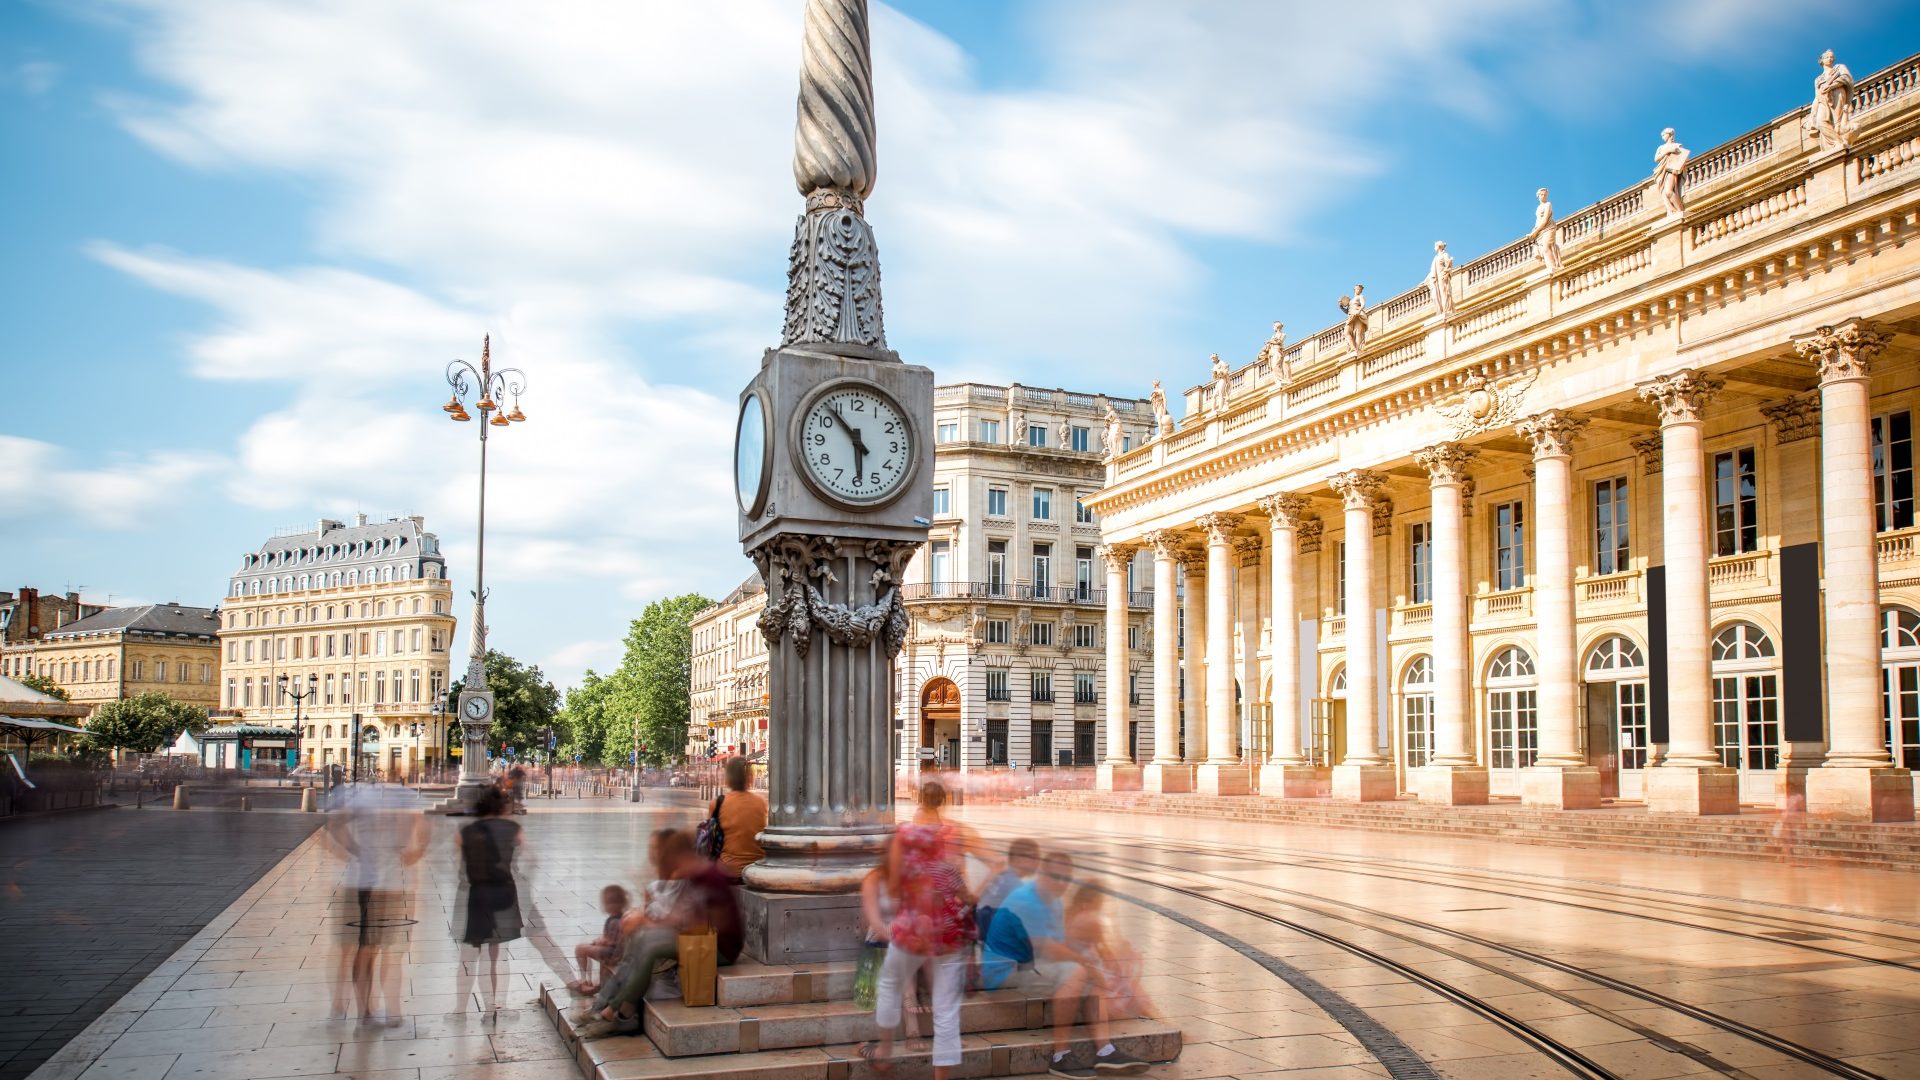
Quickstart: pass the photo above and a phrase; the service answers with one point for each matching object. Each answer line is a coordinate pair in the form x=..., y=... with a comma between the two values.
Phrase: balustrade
x=1901, y=546
x=1610, y=589
x=1729, y=158
x=1747, y=569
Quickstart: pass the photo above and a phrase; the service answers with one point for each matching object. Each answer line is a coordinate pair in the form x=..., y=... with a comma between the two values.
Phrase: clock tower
x=834, y=474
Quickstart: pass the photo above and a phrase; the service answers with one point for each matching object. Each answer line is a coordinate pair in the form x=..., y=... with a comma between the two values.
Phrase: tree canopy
x=523, y=703
x=142, y=724
x=34, y=681
x=650, y=691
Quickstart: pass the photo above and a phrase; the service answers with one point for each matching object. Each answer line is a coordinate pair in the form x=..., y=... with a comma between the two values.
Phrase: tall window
x=998, y=632
x=1900, y=692
x=997, y=684
x=1610, y=549
x=997, y=567
x=1509, y=546
x=379, y=687
x=1746, y=698
x=1084, y=636
x=1083, y=574
x=1736, y=503
x=946, y=433
x=996, y=502
x=1081, y=439
x=1081, y=514
x=1042, y=633
x=1042, y=686
x=939, y=566
x=1043, y=504
x=1619, y=662
x=1893, y=471
x=1042, y=567
x=1086, y=688
x=1416, y=712
x=1513, y=718
x=1420, y=563
x=1036, y=435
x=941, y=503
x=990, y=431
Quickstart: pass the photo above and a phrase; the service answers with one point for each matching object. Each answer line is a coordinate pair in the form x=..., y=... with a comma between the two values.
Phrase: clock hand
x=859, y=446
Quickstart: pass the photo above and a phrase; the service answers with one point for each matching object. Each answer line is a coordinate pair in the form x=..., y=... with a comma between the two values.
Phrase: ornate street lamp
x=476, y=700
x=298, y=696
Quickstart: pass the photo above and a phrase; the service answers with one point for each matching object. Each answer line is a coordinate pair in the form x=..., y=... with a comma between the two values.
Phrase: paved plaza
x=1474, y=959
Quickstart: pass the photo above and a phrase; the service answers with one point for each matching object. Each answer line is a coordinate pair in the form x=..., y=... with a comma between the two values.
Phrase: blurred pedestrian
x=742, y=815
x=492, y=910
x=380, y=834
x=932, y=928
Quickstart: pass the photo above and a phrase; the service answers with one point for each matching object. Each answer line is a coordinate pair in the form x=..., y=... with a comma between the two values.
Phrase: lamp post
x=439, y=744
x=298, y=696
x=476, y=700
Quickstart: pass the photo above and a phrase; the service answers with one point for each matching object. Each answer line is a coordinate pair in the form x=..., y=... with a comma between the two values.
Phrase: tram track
x=1567, y=1057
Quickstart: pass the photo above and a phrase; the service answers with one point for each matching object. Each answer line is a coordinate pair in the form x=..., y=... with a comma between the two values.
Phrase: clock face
x=750, y=446
x=476, y=708
x=856, y=445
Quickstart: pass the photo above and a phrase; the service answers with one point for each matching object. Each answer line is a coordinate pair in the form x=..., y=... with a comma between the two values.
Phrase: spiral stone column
x=1858, y=781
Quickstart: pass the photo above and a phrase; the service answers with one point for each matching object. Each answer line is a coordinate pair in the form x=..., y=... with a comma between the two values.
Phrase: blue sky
x=243, y=239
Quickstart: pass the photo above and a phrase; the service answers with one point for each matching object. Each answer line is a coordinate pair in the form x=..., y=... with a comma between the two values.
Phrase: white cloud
x=121, y=494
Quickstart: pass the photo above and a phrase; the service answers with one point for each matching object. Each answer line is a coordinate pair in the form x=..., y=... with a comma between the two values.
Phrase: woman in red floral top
x=932, y=928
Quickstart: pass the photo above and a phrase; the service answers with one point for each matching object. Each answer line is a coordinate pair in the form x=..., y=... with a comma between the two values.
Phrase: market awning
x=39, y=725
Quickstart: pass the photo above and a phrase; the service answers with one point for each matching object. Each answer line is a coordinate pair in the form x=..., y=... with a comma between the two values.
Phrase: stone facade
x=123, y=652
x=1635, y=521
x=729, y=676
x=360, y=614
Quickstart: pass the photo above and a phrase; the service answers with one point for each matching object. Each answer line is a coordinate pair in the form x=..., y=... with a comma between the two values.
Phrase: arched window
x=1746, y=698
x=1617, y=685
x=1337, y=686
x=1900, y=690
x=1416, y=712
x=1513, y=710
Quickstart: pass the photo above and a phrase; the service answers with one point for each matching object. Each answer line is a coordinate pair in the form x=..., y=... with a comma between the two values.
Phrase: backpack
x=710, y=839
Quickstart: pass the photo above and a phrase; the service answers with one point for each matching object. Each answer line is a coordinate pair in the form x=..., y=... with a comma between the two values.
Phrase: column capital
x=1446, y=463
x=1248, y=547
x=1357, y=487
x=1383, y=517
x=1794, y=418
x=1219, y=527
x=1551, y=433
x=1680, y=398
x=1648, y=447
x=1312, y=531
x=1843, y=351
x=1166, y=543
x=1285, y=510
x=1117, y=556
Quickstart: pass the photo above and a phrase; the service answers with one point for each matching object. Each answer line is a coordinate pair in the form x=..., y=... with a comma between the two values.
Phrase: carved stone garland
x=790, y=565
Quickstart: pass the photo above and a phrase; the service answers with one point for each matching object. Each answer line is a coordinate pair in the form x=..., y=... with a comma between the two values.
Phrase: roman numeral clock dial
x=856, y=445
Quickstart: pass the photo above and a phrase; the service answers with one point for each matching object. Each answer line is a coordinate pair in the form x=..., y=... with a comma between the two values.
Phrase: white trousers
x=949, y=978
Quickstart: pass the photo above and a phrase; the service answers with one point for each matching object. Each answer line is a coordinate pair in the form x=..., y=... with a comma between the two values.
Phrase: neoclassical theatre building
x=1622, y=510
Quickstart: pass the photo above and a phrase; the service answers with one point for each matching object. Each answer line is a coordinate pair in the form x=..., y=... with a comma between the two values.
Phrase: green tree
x=658, y=671
x=45, y=685
x=523, y=703
x=598, y=732
x=142, y=724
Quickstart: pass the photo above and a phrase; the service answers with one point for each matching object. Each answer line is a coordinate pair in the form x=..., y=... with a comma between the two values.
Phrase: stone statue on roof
x=1546, y=238
x=1669, y=165
x=1162, y=419
x=1831, y=118
x=1440, y=280
x=1222, y=382
x=1356, y=308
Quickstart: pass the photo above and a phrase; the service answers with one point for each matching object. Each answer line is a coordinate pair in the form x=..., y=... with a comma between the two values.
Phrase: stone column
x=1560, y=778
x=1118, y=771
x=1220, y=773
x=1363, y=775
x=1194, y=617
x=1287, y=772
x=1246, y=551
x=1454, y=777
x=1858, y=781
x=1166, y=772
x=1690, y=778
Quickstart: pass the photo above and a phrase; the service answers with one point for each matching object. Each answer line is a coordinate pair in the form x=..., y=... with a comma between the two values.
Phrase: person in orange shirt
x=743, y=815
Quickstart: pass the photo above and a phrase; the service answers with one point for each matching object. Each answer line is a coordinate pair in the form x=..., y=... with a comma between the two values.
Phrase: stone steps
x=986, y=1053
x=1623, y=828
x=746, y=983
x=680, y=1031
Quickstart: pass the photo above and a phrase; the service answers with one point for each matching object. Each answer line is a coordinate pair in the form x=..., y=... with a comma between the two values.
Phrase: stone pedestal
x=1213, y=779
x=1294, y=782
x=1118, y=777
x=1860, y=794
x=1452, y=785
x=1167, y=778
x=1693, y=789
x=1365, y=783
x=800, y=928
x=1560, y=787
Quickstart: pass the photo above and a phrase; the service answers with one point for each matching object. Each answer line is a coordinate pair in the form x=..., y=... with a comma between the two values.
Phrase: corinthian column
x=1690, y=780
x=1364, y=775
x=1560, y=778
x=1454, y=778
x=1193, y=702
x=1858, y=781
x=1166, y=772
x=1221, y=773
x=1118, y=771
x=1286, y=772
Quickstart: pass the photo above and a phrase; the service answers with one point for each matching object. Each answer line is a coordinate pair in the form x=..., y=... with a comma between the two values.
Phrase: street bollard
x=246, y=803
x=308, y=802
x=180, y=797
